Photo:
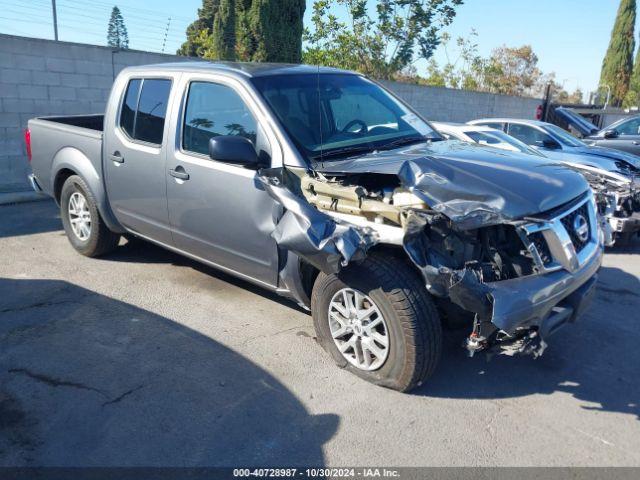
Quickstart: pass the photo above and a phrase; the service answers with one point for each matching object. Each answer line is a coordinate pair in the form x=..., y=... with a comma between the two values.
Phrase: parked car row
x=322, y=186
x=613, y=175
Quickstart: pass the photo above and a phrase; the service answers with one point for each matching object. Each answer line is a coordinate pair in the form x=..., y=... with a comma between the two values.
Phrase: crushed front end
x=516, y=277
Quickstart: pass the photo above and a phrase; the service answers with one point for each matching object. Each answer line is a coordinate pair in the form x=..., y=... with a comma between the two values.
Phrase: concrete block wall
x=42, y=77
x=450, y=105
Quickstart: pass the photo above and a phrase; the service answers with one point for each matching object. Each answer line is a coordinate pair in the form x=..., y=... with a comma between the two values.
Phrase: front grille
x=537, y=238
x=569, y=221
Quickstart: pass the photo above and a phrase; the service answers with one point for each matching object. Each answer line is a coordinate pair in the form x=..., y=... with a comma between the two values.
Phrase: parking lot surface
x=144, y=358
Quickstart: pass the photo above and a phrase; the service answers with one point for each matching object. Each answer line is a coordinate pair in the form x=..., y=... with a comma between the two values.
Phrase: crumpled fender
x=311, y=234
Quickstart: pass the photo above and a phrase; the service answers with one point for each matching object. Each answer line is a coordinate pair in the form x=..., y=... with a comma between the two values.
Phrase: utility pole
x=166, y=32
x=547, y=102
x=55, y=20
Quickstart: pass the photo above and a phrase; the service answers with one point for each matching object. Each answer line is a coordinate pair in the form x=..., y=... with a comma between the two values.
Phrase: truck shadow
x=86, y=380
x=141, y=251
x=595, y=360
x=633, y=246
x=29, y=218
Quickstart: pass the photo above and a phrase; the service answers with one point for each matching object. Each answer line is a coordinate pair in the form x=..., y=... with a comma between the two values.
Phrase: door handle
x=116, y=157
x=636, y=142
x=180, y=174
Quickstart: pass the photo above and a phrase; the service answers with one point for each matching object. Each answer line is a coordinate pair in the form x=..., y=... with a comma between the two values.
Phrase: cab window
x=144, y=109
x=528, y=135
x=632, y=127
x=212, y=110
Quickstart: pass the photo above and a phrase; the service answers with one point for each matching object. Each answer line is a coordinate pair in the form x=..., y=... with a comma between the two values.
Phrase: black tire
x=415, y=329
x=100, y=240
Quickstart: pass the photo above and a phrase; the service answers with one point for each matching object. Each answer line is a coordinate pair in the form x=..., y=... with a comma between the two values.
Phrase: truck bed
x=92, y=122
x=56, y=140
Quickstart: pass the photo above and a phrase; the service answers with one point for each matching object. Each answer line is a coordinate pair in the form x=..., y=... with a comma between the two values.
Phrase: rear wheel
x=377, y=320
x=82, y=222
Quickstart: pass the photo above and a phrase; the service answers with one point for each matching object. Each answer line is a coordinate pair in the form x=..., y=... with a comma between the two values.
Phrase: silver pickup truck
x=322, y=186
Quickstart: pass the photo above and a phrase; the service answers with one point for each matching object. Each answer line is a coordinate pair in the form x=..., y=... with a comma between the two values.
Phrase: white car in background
x=487, y=136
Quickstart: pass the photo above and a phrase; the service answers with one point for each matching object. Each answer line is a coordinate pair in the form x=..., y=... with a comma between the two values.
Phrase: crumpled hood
x=472, y=185
x=608, y=153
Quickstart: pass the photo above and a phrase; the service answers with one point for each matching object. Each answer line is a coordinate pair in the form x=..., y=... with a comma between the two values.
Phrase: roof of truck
x=245, y=69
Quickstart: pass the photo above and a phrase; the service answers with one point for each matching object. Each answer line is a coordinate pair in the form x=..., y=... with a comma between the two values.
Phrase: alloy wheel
x=358, y=329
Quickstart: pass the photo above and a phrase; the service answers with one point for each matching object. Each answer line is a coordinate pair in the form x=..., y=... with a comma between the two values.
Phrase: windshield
x=499, y=139
x=565, y=137
x=337, y=115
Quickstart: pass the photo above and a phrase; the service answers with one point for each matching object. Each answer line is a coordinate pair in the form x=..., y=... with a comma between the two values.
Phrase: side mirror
x=610, y=134
x=233, y=149
x=551, y=144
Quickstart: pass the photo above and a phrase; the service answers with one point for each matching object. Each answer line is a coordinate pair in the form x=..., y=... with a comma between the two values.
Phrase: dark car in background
x=558, y=144
x=622, y=135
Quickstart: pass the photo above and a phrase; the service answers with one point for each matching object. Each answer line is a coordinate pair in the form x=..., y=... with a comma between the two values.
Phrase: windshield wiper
x=343, y=152
x=407, y=141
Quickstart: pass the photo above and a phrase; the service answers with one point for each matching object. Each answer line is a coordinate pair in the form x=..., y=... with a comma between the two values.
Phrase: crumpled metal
x=465, y=208
x=462, y=286
x=326, y=244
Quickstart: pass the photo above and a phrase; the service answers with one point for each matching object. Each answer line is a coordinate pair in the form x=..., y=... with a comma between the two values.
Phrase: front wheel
x=377, y=320
x=82, y=222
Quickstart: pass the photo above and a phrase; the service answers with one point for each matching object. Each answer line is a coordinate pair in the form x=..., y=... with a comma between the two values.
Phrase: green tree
x=224, y=32
x=632, y=98
x=117, y=35
x=618, y=61
x=381, y=45
x=247, y=30
x=196, y=41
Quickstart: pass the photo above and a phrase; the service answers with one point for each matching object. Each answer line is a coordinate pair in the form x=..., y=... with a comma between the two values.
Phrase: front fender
x=69, y=158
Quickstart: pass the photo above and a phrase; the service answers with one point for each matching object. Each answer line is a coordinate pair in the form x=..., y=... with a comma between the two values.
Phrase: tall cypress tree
x=276, y=30
x=204, y=23
x=247, y=30
x=618, y=61
x=224, y=31
x=633, y=95
x=117, y=35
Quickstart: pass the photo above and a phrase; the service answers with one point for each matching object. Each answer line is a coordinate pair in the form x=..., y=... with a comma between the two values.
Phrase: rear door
x=220, y=212
x=134, y=157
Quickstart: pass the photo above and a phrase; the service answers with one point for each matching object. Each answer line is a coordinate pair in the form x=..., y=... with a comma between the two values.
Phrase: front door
x=220, y=212
x=134, y=158
x=627, y=137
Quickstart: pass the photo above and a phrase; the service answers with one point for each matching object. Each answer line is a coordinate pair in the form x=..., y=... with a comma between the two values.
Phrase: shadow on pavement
x=596, y=359
x=632, y=246
x=29, y=218
x=86, y=380
x=141, y=251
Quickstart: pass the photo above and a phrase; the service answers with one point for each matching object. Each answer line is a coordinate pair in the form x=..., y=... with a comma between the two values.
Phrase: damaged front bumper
x=528, y=309
x=625, y=224
x=545, y=301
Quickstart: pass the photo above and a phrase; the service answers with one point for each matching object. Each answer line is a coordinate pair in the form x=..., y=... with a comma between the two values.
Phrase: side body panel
x=626, y=143
x=136, y=183
x=222, y=213
x=57, y=147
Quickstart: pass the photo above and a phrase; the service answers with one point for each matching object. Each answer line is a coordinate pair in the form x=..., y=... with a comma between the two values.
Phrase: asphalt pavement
x=144, y=358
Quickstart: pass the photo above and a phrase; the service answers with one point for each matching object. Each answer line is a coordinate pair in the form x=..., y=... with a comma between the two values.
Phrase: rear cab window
x=144, y=109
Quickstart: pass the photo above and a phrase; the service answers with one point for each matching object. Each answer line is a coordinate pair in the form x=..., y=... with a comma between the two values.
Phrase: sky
x=570, y=37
